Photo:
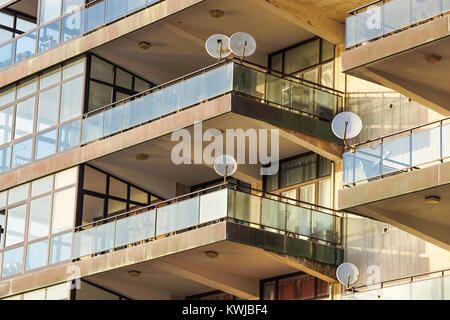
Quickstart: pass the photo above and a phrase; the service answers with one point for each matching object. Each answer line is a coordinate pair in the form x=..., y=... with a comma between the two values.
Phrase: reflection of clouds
x=73, y=22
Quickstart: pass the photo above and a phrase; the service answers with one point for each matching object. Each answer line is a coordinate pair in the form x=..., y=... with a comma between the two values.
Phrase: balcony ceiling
x=178, y=42
x=29, y=7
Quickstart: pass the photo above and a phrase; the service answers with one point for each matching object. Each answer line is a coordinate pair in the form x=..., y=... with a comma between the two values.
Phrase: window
x=48, y=109
x=71, y=99
x=36, y=255
x=15, y=225
x=50, y=9
x=40, y=210
x=63, y=210
x=24, y=118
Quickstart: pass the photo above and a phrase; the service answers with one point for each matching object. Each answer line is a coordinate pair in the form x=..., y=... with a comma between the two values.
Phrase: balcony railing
x=69, y=26
x=399, y=152
x=219, y=203
x=291, y=93
x=385, y=18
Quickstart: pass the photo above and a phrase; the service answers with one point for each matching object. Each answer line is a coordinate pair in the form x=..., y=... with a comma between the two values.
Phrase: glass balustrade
x=70, y=25
x=378, y=20
x=207, y=84
x=422, y=146
x=170, y=217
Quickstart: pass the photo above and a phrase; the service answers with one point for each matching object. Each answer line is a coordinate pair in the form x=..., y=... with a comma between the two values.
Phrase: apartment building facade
x=92, y=205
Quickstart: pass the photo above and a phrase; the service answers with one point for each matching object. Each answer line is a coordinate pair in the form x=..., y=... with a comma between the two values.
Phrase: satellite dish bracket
x=351, y=148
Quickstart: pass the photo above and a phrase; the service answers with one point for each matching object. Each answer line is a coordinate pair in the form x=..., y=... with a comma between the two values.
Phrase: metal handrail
x=382, y=284
x=355, y=11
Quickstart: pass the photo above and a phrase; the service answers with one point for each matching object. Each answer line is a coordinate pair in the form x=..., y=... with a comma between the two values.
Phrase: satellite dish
x=242, y=44
x=225, y=166
x=347, y=274
x=346, y=125
x=218, y=46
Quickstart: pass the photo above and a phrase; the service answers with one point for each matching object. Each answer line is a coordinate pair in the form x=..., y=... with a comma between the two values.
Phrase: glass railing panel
x=367, y=163
x=446, y=140
x=187, y=213
x=104, y=236
x=219, y=81
x=424, y=9
x=324, y=104
x=446, y=280
x=48, y=36
x=92, y=128
x=213, y=206
x=133, y=5
x=273, y=214
x=369, y=24
x=396, y=15
x=6, y=55
x=166, y=220
x=135, y=228
x=323, y=226
x=84, y=243
x=94, y=16
x=194, y=90
x=278, y=91
x=172, y=98
x=351, y=31
x=71, y=26
x=249, y=81
x=153, y=108
x=399, y=292
x=245, y=207
x=115, y=9
x=445, y=5
x=298, y=220
x=302, y=98
x=112, y=120
x=349, y=165
x=427, y=289
x=25, y=46
x=131, y=114
x=426, y=146
x=396, y=154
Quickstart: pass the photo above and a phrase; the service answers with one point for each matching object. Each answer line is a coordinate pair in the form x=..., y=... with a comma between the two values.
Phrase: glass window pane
x=327, y=76
x=312, y=75
x=100, y=95
x=6, y=19
x=60, y=248
x=94, y=180
x=116, y=207
x=48, y=36
x=25, y=46
x=308, y=193
x=45, y=144
x=15, y=225
x=117, y=188
x=71, y=26
x=18, y=194
x=71, y=99
x=102, y=70
x=22, y=153
x=69, y=136
x=92, y=209
x=12, y=262
x=325, y=194
x=138, y=195
x=41, y=186
x=70, y=5
x=37, y=255
x=94, y=16
x=124, y=79
x=26, y=88
x=66, y=178
x=134, y=5
x=5, y=124
x=63, y=210
x=115, y=9
x=73, y=68
x=298, y=170
x=24, y=118
x=24, y=25
x=140, y=85
x=50, y=9
x=2, y=219
x=2, y=199
x=6, y=94
x=327, y=50
x=302, y=57
x=5, y=35
x=49, y=78
x=35, y=295
x=277, y=62
x=39, y=217
x=4, y=159
x=6, y=55
x=48, y=108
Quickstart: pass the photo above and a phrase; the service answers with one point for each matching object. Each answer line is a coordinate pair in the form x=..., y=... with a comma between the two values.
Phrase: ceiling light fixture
x=433, y=199
x=134, y=273
x=144, y=45
x=216, y=13
x=142, y=156
x=211, y=254
x=433, y=58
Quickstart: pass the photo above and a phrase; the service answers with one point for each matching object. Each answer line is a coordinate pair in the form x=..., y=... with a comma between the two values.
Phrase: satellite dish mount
x=225, y=166
x=347, y=125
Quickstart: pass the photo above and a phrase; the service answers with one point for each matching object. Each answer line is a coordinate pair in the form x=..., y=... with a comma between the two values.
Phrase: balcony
x=71, y=24
x=253, y=235
x=403, y=45
x=391, y=178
